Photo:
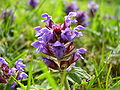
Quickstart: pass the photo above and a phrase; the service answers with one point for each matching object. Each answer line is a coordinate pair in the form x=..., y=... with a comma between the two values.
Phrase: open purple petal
x=13, y=85
x=2, y=61
x=59, y=49
x=38, y=28
x=81, y=50
x=79, y=27
x=36, y=44
x=21, y=76
x=12, y=71
x=19, y=65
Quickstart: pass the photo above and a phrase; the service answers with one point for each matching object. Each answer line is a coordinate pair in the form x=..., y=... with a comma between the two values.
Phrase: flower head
x=6, y=72
x=7, y=16
x=71, y=7
x=33, y=3
x=81, y=18
x=93, y=7
x=56, y=40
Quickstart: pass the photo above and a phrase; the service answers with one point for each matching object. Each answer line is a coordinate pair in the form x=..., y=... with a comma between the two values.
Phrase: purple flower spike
x=72, y=7
x=7, y=16
x=93, y=7
x=2, y=61
x=13, y=85
x=21, y=76
x=59, y=49
x=19, y=65
x=55, y=40
x=33, y=3
x=81, y=18
x=50, y=63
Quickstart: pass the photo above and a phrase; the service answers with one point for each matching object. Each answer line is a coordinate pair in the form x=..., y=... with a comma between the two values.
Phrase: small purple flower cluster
x=82, y=16
x=7, y=15
x=93, y=7
x=71, y=7
x=33, y=3
x=6, y=72
x=56, y=40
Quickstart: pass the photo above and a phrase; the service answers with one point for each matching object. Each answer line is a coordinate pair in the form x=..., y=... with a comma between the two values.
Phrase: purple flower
x=58, y=49
x=69, y=34
x=78, y=53
x=13, y=85
x=6, y=72
x=33, y=3
x=56, y=40
x=79, y=27
x=38, y=28
x=19, y=65
x=81, y=18
x=81, y=50
x=71, y=7
x=93, y=7
x=21, y=76
x=41, y=47
x=7, y=16
x=68, y=19
x=48, y=20
x=2, y=61
x=12, y=71
x=46, y=35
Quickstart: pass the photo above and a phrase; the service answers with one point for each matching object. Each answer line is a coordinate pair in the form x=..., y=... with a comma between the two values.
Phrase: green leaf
x=77, y=74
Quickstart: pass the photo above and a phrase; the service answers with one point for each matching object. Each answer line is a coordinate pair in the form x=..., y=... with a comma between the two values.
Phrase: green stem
x=64, y=81
x=66, y=84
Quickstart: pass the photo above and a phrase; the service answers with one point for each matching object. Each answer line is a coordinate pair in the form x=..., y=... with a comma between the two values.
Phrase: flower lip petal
x=21, y=76
x=57, y=43
x=80, y=27
x=38, y=28
x=36, y=44
x=2, y=61
x=19, y=65
x=72, y=14
x=81, y=50
x=45, y=15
